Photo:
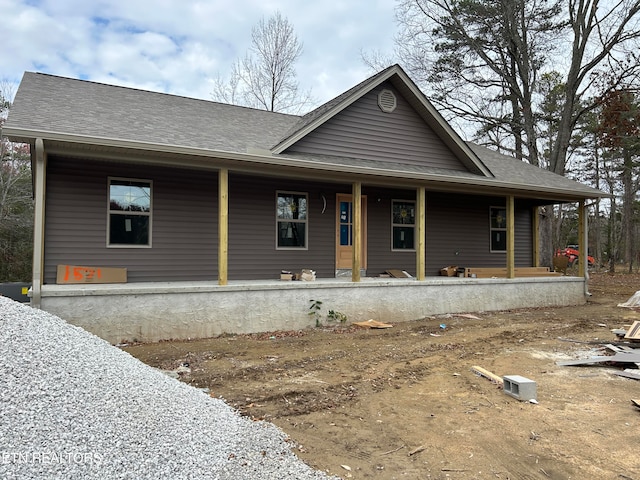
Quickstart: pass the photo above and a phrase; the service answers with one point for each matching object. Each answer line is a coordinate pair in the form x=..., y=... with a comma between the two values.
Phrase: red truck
x=572, y=253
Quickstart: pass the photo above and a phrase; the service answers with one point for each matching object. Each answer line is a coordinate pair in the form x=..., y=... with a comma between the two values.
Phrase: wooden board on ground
x=373, y=324
x=396, y=273
x=487, y=374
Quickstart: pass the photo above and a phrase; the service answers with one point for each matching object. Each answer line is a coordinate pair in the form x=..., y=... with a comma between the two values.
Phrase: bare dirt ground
x=404, y=403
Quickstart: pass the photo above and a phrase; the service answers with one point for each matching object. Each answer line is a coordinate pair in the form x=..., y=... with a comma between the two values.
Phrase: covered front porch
x=151, y=312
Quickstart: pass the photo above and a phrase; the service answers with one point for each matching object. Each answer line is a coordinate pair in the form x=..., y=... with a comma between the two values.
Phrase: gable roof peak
x=396, y=75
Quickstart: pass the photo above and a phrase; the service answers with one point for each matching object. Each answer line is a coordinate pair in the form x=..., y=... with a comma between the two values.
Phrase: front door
x=344, y=232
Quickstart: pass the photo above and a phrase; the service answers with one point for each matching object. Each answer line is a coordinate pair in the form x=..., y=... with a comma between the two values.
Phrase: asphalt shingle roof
x=48, y=106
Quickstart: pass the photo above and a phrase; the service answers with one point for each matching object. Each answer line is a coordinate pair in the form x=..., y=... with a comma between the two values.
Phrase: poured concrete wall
x=151, y=312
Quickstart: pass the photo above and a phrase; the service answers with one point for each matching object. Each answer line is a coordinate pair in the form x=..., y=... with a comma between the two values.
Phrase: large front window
x=129, y=213
x=291, y=221
x=403, y=220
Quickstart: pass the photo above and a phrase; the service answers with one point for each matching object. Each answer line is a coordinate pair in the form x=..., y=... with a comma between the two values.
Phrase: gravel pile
x=73, y=406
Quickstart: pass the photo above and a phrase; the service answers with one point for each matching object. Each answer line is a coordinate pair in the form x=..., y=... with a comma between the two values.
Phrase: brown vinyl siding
x=380, y=255
x=184, y=221
x=252, y=228
x=458, y=232
x=364, y=131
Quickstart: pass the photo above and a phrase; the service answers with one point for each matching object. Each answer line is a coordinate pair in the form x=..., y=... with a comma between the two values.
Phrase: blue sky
x=181, y=46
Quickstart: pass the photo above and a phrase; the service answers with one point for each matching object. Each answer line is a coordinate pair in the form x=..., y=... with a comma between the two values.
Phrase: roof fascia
x=287, y=166
x=440, y=125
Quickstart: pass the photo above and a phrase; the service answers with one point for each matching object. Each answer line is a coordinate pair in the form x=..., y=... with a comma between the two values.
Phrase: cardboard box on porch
x=449, y=271
x=70, y=274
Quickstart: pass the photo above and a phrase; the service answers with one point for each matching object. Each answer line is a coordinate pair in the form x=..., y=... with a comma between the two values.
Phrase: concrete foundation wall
x=155, y=311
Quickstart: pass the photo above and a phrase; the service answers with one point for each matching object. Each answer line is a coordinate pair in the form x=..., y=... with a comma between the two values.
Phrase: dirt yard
x=404, y=402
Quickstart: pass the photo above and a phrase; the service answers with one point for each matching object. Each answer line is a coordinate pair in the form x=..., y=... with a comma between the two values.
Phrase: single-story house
x=164, y=217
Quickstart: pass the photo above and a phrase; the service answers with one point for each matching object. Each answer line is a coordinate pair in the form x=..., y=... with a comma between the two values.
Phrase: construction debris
x=634, y=301
x=634, y=331
x=487, y=374
x=373, y=324
x=616, y=353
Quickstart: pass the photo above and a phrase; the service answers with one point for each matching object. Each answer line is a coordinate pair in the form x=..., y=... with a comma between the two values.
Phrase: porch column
x=37, y=277
x=582, y=240
x=420, y=233
x=223, y=225
x=356, y=198
x=536, y=236
x=511, y=244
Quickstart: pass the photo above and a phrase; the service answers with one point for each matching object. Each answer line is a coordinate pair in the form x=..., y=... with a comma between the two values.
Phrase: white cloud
x=179, y=47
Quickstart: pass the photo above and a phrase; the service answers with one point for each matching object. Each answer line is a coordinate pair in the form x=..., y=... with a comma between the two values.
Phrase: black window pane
x=292, y=234
x=498, y=218
x=404, y=213
x=129, y=229
x=403, y=238
x=499, y=240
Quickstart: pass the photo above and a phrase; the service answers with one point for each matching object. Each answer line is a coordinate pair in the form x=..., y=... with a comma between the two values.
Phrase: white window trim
x=150, y=214
x=492, y=229
x=393, y=200
x=305, y=221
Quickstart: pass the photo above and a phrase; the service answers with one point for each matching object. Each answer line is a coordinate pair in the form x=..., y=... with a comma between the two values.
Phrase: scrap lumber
x=634, y=332
x=487, y=374
x=417, y=450
x=373, y=324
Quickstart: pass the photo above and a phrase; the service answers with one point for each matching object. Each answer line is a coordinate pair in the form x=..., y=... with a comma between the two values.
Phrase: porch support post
x=536, y=236
x=420, y=233
x=356, y=195
x=223, y=225
x=582, y=240
x=37, y=277
x=511, y=257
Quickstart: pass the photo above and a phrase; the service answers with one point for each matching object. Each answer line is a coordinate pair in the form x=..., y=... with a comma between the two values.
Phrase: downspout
x=37, y=276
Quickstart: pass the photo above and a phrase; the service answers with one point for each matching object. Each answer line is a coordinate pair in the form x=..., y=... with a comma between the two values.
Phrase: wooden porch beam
x=223, y=225
x=356, y=199
x=511, y=258
x=420, y=233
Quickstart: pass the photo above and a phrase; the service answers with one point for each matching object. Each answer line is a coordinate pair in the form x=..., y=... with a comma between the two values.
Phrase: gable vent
x=387, y=101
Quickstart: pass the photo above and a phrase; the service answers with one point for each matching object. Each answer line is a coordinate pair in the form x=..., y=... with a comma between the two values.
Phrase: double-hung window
x=403, y=224
x=498, y=227
x=129, y=223
x=291, y=220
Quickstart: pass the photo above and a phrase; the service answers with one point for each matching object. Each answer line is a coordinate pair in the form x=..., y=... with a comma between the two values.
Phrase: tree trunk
x=627, y=208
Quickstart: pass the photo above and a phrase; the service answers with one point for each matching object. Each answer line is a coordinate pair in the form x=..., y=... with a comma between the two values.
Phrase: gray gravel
x=73, y=406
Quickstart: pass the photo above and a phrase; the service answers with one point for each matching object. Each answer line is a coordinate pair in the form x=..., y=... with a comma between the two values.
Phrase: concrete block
x=519, y=387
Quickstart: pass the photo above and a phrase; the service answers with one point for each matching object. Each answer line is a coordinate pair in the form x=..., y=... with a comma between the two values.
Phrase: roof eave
x=266, y=160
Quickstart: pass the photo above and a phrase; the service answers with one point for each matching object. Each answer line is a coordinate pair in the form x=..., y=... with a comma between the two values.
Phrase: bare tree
x=265, y=77
x=483, y=58
x=16, y=205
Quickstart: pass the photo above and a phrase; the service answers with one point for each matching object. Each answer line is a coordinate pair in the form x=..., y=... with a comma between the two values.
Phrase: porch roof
x=73, y=114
